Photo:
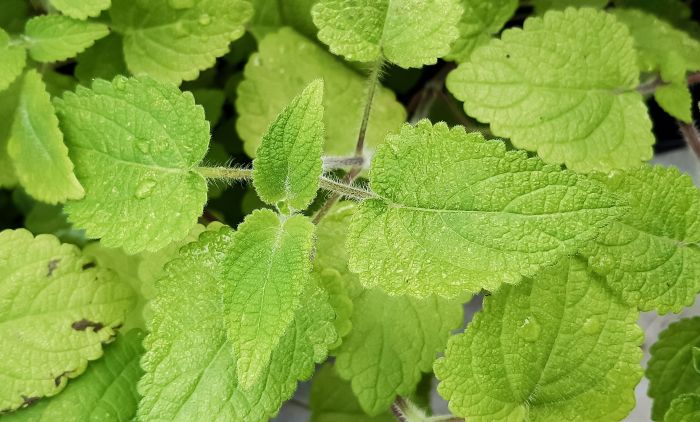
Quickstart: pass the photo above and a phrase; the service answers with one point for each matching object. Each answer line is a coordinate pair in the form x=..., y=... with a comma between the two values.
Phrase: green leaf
x=458, y=214
x=393, y=340
x=288, y=161
x=480, y=20
x=564, y=86
x=102, y=61
x=268, y=268
x=555, y=348
x=285, y=63
x=39, y=157
x=332, y=400
x=331, y=265
x=106, y=391
x=81, y=9
x=670, y=369
x=336, y=287
x=135, y=144
x=13, y=57
x=56, y=310
x=126, y=268
x=151, y=266
x=8, y=105
x=650, y=257
x=696, y=358
x=409, y=33
x=194, y=32
x=52, y=38
x=655, y=40
x=189, y=333
x=684, y=408
x=669, y=51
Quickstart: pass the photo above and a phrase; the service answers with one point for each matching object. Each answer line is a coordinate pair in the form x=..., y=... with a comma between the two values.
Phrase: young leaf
x=459, y=214
x=188, y=332
x=102, y=61
x=555, y=348
x=106, y=391
x=670, y=369
x=39, y=157
x=55, y=313
x=684, y=408
x=656, y=39
x=135, y=144
x=332, y=400
x=674, y=96
x=285, y=63
x=480, y=20
x=669, y=51
x=563, y=86
x=393, y=340
x=651, y=256
x=409, y=33
x=53, y=38
x=268, y=267
x=288, y=161
x=13, y=57
x=81, y=9
x=195, y=33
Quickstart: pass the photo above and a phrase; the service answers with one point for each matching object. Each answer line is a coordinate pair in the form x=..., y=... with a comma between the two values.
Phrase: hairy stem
x=339, y=188
x=398, y=409
x=330, y=163
x=691, y=136
x=227, y=173
x=343, y=189
x=373, y=81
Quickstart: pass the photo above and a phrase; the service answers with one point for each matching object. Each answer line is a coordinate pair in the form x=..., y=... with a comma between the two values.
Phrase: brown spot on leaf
x=88, y=265
x=84, y=324
x=53, y=264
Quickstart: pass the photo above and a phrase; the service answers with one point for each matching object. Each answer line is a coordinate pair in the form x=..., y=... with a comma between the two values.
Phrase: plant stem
x=343, y=189
x=339, y=188
x=694, y=78
x=228, y=173
x=330, y=163
x=691, y=136
x=421, y=103
x=397, y=408
x=373, y=81
x=360, y=146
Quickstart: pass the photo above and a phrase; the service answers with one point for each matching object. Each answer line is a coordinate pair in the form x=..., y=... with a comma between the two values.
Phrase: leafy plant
x=137, y=134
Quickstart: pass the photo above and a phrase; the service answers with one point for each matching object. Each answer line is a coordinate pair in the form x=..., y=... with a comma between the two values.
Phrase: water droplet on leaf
x=204, y=19
x=120, y=83
x=591, y=325
x=145, y=188
x=529, y=330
